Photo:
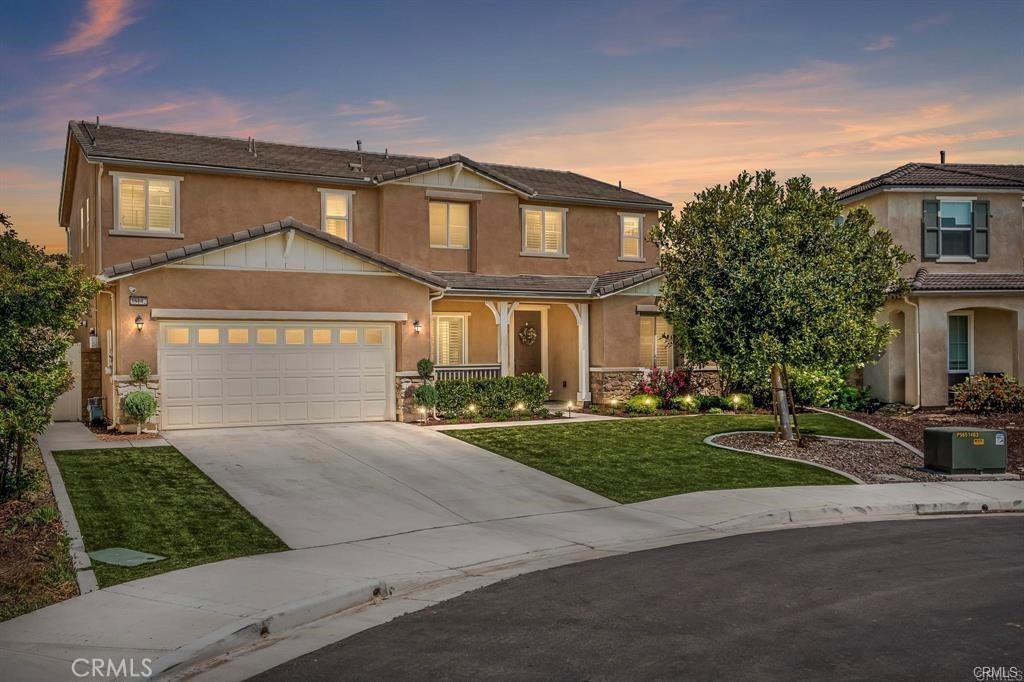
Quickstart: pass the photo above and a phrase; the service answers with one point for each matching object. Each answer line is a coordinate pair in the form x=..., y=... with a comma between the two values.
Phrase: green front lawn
x=155, y=500
x=631, y=460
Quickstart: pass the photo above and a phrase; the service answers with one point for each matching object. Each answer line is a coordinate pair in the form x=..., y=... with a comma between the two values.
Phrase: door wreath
x=527, y=335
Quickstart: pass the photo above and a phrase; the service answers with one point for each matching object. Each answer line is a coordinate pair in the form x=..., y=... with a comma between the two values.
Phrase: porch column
x=582, y=313
x=502, y=311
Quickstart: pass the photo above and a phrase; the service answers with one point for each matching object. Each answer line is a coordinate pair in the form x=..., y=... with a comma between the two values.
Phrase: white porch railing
x=467, y=371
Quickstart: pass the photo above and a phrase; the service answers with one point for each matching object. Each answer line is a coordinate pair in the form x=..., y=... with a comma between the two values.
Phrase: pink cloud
x=882, y=43
x=106, y=18
x=374, y=106
x=388, y=122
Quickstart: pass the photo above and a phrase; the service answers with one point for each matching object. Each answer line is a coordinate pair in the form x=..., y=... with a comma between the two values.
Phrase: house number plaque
x=138, y=300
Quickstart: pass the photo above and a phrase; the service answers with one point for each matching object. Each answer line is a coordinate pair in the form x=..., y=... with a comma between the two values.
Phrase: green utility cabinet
x=965, y=450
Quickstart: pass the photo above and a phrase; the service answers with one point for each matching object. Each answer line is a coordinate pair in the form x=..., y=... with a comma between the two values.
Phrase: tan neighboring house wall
x=915, y=368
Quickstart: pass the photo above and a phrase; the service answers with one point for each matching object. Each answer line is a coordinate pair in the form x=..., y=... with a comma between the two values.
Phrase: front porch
x=482, y=338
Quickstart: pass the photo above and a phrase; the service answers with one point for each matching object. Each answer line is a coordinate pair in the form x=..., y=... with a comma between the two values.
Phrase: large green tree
x=42, y=298
x=762, y=275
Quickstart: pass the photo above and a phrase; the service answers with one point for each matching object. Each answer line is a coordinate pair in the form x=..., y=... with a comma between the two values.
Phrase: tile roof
x=586, y=286
x=189, y=250
x=228, y=154
x=980, y=175
x=967, y=281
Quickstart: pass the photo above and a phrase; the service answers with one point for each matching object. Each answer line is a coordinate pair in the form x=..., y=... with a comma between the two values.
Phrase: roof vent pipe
x=620, y=184
x=359, y=145
x=942, y=156
x=97, y=121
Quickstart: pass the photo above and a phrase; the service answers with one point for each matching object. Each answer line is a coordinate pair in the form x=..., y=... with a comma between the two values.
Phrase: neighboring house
x=964, y=225
x=270, y=283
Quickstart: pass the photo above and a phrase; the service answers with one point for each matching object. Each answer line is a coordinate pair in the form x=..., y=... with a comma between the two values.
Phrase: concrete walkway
x=190, y=615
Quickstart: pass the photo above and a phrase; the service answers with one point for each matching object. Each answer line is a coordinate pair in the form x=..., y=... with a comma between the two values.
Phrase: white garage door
x=243, y=374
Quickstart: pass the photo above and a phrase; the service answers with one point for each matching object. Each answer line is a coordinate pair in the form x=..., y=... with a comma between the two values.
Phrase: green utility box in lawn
x=965, y=450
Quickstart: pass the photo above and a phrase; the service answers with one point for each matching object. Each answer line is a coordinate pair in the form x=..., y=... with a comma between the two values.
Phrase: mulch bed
x=909, y=425
x=35, y=565
x=112, y=436
x=871, y=461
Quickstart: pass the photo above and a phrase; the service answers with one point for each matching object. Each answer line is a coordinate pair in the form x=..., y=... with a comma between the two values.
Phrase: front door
x=527, y=342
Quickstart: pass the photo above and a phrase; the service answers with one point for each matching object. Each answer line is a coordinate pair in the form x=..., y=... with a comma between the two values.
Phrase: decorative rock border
x=710, y=441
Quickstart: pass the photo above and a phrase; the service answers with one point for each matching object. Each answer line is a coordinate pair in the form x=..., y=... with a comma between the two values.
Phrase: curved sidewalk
x=186, y=616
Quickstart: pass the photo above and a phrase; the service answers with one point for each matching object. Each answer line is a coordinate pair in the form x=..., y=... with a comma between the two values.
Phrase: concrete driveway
x=322, y=485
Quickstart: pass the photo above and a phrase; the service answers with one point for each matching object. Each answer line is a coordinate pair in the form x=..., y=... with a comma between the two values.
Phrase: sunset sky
x=667, y=96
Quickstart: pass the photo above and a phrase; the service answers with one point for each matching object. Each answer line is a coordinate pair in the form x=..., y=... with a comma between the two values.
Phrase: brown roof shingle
x=580, y=286
x=967, y=281
x=228, y=154
x=172, y=255
x=980, y=175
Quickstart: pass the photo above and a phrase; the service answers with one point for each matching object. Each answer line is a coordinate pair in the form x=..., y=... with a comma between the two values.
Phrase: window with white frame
x=959, y=343
x=450, y=339
x=146, y=203
x=449, y=225
x=655, y=341
x=336, y=212
x=631, y=240
x=543, y=231
x=956, y=219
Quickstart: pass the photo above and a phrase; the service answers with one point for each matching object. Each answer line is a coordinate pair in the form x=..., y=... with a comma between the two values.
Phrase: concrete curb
x=84, y=574
x=710, y=441
x=889, y=436
x=251, y=629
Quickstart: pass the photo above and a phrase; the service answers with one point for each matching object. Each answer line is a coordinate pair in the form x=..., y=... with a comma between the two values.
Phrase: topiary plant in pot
x=140, y=371
x=140, y=406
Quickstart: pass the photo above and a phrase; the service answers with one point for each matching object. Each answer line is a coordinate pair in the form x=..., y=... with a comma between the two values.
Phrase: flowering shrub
x=982, y=393
x=664, y=385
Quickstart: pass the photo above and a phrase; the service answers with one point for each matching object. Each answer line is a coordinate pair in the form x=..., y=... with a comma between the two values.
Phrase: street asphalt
x=910, y=600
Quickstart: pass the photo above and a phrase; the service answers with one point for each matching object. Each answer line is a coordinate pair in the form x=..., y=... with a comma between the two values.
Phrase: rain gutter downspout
x=917, y=351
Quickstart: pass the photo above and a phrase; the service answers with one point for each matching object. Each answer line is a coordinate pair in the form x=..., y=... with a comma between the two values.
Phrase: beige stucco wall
x=900, y=212
x=392, y=219
x=482, y=330
x=252, y=290
x=82, y=249
x=615, y=331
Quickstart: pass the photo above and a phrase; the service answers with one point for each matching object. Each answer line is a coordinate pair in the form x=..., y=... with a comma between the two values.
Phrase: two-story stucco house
x=278, y=284
x=964, y=224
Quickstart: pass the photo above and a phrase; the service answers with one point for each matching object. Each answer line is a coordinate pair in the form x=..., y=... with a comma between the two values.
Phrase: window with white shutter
x=450, y=342
x=655, y=342
x=336, y=212
x=146, y=203
x=449, y=225
x=631, y=241
x=543, y=231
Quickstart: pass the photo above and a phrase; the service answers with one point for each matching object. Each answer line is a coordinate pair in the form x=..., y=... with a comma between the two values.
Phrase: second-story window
x=955, y=228
x=631, y=240
x=146, y=203
x=336, y=212
x=449, y=225
x=543, y=231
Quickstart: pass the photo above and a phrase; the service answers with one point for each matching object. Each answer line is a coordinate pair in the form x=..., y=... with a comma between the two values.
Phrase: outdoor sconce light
x=139, y=322
x=417, y=326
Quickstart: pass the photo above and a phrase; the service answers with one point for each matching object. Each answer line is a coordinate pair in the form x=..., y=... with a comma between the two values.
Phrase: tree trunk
x=780, y=400
x=18, y=463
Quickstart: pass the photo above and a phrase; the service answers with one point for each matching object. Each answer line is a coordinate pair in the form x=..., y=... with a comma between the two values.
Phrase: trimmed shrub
x=140, y=407
x=684, y=403
x=642, y=404
x=851, y=398
x=983, y=394
x=709, y=402
x=495, y=398
x=741, y=402
x=715, y=410
x=140, y=371
x=425, y=368
x=425, y=396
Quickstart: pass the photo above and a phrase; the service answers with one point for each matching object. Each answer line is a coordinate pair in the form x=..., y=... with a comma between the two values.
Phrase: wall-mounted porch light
x=138, y=322
x=417, y=326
